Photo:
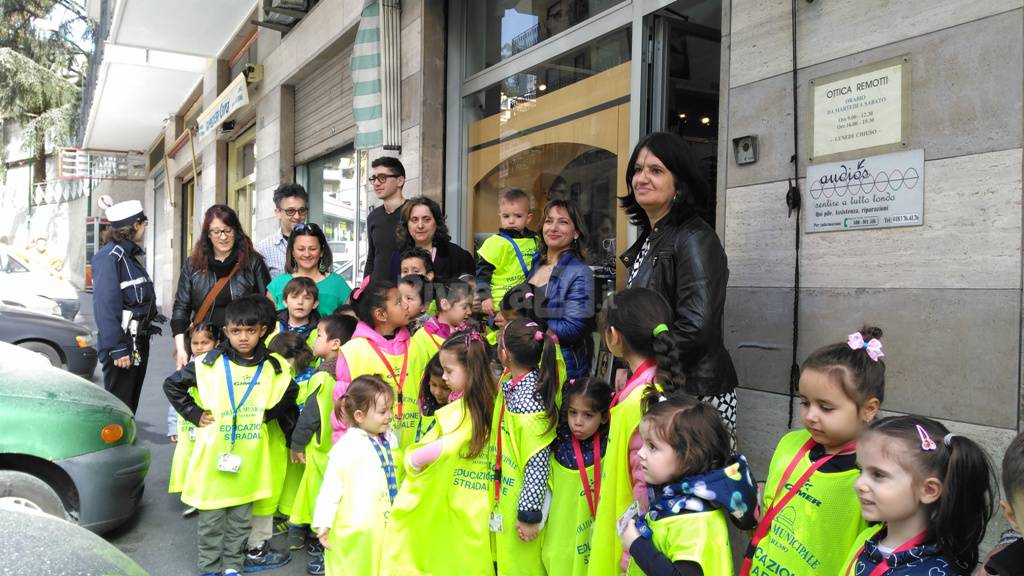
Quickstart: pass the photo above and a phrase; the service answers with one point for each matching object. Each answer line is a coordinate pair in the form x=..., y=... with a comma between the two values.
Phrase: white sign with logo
x=884, y=191
x=860, y=112
x=235, y=96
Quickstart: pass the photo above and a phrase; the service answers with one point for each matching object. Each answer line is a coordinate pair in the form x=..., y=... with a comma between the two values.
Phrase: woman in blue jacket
x=564, y=284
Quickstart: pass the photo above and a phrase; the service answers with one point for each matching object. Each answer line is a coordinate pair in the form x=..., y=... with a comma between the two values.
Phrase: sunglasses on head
x=307, y=228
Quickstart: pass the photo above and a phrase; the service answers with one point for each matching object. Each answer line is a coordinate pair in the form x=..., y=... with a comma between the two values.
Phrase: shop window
x=242, y=177
x=500, y=29
x=188, y=218
x=338, y=202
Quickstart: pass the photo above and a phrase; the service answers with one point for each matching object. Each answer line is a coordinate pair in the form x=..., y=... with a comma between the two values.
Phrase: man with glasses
x=291, y=207
x=387, y=179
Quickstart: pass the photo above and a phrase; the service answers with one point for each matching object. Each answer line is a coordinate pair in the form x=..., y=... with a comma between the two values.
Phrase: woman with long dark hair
x=309, y=255
x=680, y=256
x=223, y=266
x=423, y=226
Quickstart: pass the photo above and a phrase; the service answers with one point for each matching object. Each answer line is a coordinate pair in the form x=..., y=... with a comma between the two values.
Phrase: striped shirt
x=273, y=249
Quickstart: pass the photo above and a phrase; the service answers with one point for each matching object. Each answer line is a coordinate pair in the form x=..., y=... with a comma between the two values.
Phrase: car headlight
x=84, y=341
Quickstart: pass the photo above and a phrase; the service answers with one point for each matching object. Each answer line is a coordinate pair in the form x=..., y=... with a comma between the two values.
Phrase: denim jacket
x=568, y=310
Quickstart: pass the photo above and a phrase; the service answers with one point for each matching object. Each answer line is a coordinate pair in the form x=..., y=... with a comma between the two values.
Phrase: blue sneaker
x=265, y=558
x=316, y=567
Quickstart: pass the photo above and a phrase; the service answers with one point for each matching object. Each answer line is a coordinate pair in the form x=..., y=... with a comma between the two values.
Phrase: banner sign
x=234, y=97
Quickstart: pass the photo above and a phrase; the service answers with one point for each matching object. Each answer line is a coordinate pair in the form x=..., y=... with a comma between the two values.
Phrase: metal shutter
x=323, y=109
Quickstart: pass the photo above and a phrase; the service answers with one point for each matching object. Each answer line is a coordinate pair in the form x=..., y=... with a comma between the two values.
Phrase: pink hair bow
x=359, y=291
x=873, y=346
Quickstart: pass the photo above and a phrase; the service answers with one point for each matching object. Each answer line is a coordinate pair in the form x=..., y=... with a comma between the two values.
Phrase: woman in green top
x=310, y=256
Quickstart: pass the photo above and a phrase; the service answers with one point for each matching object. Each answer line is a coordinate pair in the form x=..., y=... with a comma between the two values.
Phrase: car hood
x=11, y=314
x=23, y=376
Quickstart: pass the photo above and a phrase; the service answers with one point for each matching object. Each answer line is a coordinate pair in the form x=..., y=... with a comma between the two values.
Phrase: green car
x=67, y=446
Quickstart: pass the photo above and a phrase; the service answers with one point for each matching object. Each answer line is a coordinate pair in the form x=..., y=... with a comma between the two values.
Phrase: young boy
x=227, y=471
x=414, y=288
x=1008, y=559
x=311, y=440
x=417, y=261
x=301, y=297
x=505, y=258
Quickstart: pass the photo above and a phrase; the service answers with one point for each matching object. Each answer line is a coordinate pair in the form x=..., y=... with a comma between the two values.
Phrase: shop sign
x=234, y=97
x=860, y=112
x=884, y=191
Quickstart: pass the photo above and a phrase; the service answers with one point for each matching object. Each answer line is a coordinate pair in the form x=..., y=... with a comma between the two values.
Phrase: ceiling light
x=542, y=87
x=705, y=120
x=682, y=116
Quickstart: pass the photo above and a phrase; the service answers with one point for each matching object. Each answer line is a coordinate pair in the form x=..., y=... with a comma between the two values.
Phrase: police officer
x=124, y=303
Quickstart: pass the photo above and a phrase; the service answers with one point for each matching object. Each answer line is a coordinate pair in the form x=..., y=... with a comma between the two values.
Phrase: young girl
x=201, y=340
x=687, y=461
x=380, y=345
x=633, y=328
x=931, y=492
x=434, y=393
x=526, y=414
x=439, y=520
x=414, y=289
x=360, y=483
x=518, y=303
x=454, y=305
x=809, y=495
x=576, y=459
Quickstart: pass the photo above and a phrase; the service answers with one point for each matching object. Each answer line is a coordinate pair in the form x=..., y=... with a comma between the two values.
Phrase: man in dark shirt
x=387, y=179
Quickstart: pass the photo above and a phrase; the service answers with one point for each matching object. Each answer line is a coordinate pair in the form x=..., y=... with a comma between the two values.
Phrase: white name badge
x=495, y=522
x=192, y=434
x=229, y=463
x=632, y=512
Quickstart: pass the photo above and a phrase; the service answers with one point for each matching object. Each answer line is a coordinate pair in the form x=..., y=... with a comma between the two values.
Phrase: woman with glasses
x=308, y=255
x=223, y=266
x=422, y=226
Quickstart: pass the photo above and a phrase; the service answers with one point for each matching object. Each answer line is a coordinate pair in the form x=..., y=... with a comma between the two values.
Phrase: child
x=380, y=345
x=311, y=440
x=301, y=298
x=809, y=494
x=526, y=413
x=576, y=457
x=518, y=303
x=446, y=497
x=417, y=262
x=1009, y=559
x=454, y=304
x=414, y=289
x=505, y=258
x=687, y=461
x=228, y=471
x=633, y=327
x=360, y=483
x=201, y=340
x=929, y=489
x=434, y=393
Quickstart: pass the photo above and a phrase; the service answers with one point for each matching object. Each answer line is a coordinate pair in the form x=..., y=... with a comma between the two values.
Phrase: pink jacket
x=636, y=472
x=343, y=375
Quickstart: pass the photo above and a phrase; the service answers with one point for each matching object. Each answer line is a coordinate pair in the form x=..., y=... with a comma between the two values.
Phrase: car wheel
x=46, y=350
x=27, y=490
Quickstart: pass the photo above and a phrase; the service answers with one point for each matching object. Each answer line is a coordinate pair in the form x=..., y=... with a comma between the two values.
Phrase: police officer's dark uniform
x=124, y=307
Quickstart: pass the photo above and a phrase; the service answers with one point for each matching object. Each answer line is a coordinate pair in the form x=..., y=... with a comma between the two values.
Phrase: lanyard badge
x=387, y=464
x=231, y=462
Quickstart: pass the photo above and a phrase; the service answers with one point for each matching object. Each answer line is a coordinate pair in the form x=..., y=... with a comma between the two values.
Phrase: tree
x=42, y=71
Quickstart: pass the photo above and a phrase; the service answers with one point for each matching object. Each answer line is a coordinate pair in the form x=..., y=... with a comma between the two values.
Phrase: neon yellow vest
x=316, y=452
x=522, y=436
x=566, y=547
x=439, y=519
x=701, y=537
x=560, y=367
x=814, y=532
x=616, y=485
x=858, y=545
x=362, y=360
x=182, y=451
x=508, y=272
x=310, y=338
x=206, y=487
x=293, y=471
x=357, y=535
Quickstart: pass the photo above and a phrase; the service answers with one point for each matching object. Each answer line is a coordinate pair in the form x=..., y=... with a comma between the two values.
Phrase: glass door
x=188, y=218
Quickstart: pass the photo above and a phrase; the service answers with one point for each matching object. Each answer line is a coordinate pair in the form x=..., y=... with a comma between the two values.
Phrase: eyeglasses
x=222, y=232
x=307, y=228
x=293, y=211
x=380, y=178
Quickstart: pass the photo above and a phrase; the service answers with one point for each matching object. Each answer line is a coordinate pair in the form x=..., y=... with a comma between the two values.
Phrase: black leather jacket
x=687, y=265
x=193, y=287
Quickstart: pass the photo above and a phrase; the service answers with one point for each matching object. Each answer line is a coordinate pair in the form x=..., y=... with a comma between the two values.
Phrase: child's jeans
x=222, y=536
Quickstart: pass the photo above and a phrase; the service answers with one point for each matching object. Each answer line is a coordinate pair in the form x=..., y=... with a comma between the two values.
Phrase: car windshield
x=10, y=265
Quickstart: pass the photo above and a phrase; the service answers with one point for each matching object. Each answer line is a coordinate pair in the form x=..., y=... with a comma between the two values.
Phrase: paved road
x=158, y=538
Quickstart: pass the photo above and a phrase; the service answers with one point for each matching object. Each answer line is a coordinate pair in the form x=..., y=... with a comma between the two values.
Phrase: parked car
x=65, y=344
x=20, y=284
x=67, y=446
x=33, y=539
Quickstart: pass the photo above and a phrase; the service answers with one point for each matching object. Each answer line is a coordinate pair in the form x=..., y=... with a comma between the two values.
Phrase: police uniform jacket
x=120, y=282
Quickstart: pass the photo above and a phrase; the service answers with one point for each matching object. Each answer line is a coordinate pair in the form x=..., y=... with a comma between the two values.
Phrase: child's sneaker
x=265, y=558
x=316, y=566
x=297, y=537
x=280, y=526
x=231, y=572
x=190, y=511
x=315, y=548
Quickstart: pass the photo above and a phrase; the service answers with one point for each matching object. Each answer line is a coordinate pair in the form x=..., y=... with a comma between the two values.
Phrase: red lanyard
x=766, y=522
x=591, y=496
x=621, y=394
x=399, y=382
x=501, y=418
x=884, y=564
x=433, y=336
